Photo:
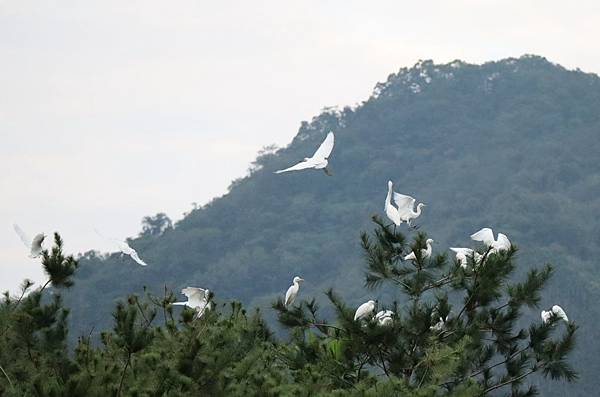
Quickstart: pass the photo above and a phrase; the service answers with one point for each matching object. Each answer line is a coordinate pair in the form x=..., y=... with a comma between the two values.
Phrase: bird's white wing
x=383, y=313
x=560, y=312
x=503, y=242
x=462, y=251
x=392, y=214
x=300, y=166
x=545, y=316
x=36, y=245
x=326, y=147
x=410, y=257
x=24, y=238
x=362, y=310
x=290, y=295
x=196, y=296
x=134, y=255
x=179, y=303
x=405, y=203
x=485, y=235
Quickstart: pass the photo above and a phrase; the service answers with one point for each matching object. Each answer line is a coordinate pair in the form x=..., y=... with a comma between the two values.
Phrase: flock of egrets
x=403, y=212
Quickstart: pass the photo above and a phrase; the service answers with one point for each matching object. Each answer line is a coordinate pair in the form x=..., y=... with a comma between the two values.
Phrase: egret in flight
x=486, y=235
x=34, y=245
x=197, y=300
x=365, y=310
x=318, y=161
x=385, y=317
x=404, y=212
x=291, y=293
x=125, y=249
x=425, y=252
x=462, y=255
x=555, y=311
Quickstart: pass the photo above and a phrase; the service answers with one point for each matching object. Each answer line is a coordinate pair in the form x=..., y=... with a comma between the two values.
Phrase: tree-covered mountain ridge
x=511, y=144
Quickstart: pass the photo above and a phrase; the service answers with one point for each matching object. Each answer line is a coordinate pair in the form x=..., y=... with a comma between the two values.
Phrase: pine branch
x=511, y=380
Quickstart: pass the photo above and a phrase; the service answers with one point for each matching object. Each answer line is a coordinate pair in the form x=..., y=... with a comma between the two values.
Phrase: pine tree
x=458, y=330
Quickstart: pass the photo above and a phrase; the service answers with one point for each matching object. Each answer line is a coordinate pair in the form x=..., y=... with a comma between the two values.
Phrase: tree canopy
x=150, y=351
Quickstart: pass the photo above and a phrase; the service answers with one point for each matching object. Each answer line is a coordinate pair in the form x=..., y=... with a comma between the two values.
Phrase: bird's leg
x=327, y=172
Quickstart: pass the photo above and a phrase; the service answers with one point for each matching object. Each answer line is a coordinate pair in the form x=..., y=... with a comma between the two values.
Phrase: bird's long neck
x=428, y=249
x=417, y=212
x=388, y=198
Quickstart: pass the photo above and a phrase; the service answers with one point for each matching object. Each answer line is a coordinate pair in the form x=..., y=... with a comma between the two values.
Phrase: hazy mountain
x=513, y=144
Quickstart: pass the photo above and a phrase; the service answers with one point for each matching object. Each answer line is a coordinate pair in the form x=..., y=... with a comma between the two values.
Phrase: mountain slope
x=512, y=144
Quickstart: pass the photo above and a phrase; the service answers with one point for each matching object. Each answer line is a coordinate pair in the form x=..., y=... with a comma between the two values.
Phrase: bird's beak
x=301, y=279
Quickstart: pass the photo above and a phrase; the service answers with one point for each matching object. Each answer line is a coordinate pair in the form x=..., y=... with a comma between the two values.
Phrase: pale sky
x=113, y=110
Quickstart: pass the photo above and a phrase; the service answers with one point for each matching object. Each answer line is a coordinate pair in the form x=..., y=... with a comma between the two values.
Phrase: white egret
x=291, y=293
x=365, y=310
x=486, y=235
x=34, y=245
x=462, y=255
x=406, y=206
x=425, y=252
x=555, y=311
x=404, y=211
x=124, y=248
x=197, y=300
x=391, y=211
x=440, y=325
x=560, y=313
x=385, y=317
x=319, y=160
x=546, y=316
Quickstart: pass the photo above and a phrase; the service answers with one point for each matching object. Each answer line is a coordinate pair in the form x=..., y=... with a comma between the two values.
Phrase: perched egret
x=462, y=255
x=391, y=211
x=425, y=253
x=291, y=293
x=486, y=236
x=404, y=211
x=125, y=249
x=365, y=310
x=406, y=206
x=34, y=245
x=318, y=161
x=560, y=313
x=385, y=317
x=197, y=300
x=440, y=325
x=555, y=311
x=546, y=316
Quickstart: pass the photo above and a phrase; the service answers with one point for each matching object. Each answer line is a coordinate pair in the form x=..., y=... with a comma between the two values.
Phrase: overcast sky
x=113, y=110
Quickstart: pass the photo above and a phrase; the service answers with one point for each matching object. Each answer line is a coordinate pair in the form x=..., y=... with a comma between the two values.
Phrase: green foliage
x=479, y=348
x=228, y=352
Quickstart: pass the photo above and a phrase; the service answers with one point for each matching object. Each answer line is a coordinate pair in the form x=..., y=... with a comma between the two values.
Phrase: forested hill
x=513, y=145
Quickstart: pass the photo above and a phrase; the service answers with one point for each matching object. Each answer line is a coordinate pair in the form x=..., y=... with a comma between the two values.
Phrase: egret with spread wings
x=405, y=207
x=486, y=236
x=125, y=249
x=34, y=245
x=197, y=300
x=318, y=161
x=462, y=255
